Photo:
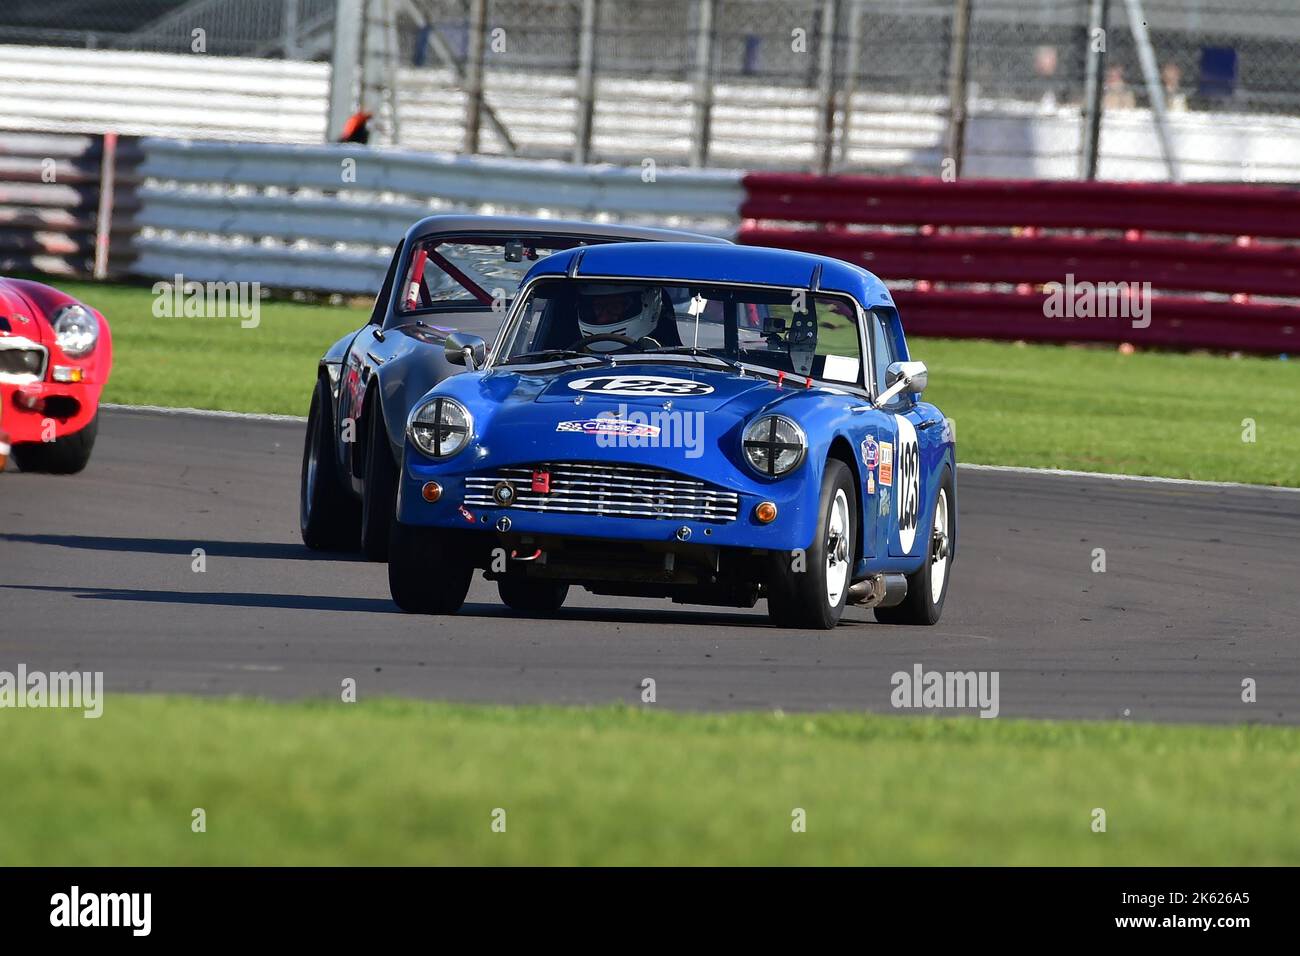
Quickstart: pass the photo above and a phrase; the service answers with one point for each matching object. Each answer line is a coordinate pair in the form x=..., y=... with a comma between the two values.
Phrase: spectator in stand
x=1117, y=94
x=1172, y=78
x=1045, y=65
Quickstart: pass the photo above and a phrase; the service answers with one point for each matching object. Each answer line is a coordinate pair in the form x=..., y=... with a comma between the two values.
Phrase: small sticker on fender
x=870, y=452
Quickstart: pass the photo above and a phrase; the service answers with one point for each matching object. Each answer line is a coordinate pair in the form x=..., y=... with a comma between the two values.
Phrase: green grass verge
x=215, y=363
x=1094, y=409
x=393, y=782
x=1090, y=409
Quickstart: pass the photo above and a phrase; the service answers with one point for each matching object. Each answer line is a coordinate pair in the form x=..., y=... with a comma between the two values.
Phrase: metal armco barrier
x=972, y=258
x=318, y=218
x=325, y=218
x=62, y=197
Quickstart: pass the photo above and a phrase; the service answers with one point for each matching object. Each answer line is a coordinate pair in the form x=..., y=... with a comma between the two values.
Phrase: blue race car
x=706, y=423
x=448, y=272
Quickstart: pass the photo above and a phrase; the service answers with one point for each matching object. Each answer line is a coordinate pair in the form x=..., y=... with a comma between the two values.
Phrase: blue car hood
x=520, y=409
x=521, y=416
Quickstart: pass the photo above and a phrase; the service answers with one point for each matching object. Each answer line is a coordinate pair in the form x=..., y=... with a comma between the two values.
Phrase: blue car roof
x=694, y=262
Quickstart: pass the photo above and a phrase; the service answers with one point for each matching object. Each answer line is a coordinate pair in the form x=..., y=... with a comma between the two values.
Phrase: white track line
x=1009, y=469
x=1065, y=473
x=206, y=413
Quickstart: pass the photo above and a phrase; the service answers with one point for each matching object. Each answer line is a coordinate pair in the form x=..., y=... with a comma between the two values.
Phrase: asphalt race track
x=1200, y=592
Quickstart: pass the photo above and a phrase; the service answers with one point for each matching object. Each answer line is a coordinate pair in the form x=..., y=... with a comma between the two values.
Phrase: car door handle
x=375, y=358
x=929, y=423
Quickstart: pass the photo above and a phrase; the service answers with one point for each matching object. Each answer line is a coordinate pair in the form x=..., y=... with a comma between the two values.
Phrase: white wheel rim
x=837, y=548
x=939, y=547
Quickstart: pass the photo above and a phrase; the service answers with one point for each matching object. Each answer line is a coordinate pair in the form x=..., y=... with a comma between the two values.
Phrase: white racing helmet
x=618, y=310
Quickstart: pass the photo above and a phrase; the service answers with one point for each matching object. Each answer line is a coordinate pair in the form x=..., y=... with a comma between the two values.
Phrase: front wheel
x=427, y=572
x=928, y=585
x=63, y=456
x=812, y=592
x=379, y=493
x=328, y=516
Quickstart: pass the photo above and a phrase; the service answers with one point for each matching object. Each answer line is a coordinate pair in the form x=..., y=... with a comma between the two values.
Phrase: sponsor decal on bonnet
x=608, y=426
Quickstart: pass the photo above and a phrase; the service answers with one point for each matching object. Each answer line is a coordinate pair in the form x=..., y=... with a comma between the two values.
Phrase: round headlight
x=75, y=330
x=440, y=427
x=774, y=445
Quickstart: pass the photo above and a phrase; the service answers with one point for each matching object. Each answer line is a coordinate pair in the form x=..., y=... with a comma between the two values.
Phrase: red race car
x=55, y=355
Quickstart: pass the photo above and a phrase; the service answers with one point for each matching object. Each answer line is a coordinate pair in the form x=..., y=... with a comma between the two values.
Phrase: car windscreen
x=461, y=273
x=795, y=331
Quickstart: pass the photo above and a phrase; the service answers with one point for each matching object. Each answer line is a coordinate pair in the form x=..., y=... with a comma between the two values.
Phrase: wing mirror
x=465, y=349
x=910, y=377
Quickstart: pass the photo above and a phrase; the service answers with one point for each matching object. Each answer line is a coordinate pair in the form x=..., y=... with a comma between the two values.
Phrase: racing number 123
x=909, y=464
x=649, y=386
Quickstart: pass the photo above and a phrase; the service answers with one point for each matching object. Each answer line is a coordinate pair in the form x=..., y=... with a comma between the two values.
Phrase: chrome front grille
x=625, y=491
x=22, y=360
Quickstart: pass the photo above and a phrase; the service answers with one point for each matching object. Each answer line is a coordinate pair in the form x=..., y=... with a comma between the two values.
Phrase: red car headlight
x=75, y=330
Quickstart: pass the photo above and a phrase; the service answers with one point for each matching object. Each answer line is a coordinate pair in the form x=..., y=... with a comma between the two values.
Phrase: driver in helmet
x=629, y=312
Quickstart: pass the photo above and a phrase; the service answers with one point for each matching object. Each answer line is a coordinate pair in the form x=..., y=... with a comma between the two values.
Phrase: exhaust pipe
x=879, y=590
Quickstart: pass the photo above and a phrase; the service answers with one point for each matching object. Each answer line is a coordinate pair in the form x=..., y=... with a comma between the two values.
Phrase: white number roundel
x=640, y=385
x=907, y=484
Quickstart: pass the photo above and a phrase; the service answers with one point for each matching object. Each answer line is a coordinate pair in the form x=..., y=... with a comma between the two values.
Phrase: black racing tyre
x=379, y=493
x=531, y=595
x=814, y=597
x=427, y=570
x=329, y=517
x=927, y=587
x=63, y=456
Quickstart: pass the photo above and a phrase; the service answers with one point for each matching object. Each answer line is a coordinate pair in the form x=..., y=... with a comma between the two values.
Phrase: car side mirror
x=465, y=349
x=914, y=374
x=910, y=377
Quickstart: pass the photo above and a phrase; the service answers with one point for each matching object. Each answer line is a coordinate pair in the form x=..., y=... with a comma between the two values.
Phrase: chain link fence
x=857, y=85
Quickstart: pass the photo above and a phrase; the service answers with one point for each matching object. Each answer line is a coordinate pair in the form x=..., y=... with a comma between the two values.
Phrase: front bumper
x=29, y=411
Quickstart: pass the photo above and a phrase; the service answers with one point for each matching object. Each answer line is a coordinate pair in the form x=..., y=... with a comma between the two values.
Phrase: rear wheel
x=63, y=456
x=379, y=493
x=812, y=593
x=427, y=571
x=328, y=517
x=532, y=596
x=928, y=585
